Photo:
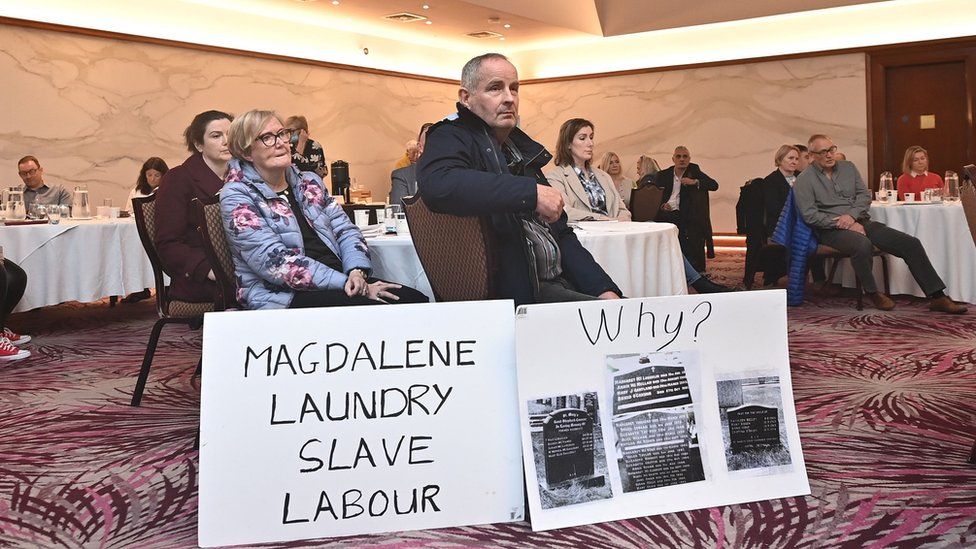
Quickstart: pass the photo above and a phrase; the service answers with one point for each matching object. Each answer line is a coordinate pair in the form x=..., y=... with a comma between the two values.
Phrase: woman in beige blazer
x=588, y=191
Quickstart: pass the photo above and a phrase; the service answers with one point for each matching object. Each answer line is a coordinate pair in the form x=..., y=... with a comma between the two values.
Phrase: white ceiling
x=546, y=38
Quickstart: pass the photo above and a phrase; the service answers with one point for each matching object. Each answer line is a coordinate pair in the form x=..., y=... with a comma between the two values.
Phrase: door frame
x=880, y=59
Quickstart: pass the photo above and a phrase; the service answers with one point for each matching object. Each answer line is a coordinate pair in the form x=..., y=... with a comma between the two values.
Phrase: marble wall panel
x=93, y=109
x=733, y=118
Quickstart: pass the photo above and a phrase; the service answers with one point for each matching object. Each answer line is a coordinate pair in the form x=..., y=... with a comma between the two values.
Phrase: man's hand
x=845, y=221
x=666, y=207
x=857, y=228
x=548, y=203
x=608, y=295
x=688, y=181
x=380, y=291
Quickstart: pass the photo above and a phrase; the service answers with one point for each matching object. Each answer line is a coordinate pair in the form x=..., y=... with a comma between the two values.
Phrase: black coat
x=693, y=208
x=775, y=190
x=463, y=171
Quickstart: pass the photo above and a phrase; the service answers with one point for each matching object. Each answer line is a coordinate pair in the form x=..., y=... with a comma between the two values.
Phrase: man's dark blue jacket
x=463, y=171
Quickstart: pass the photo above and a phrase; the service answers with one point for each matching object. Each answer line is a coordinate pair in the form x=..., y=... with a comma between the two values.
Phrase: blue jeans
x=691, y=274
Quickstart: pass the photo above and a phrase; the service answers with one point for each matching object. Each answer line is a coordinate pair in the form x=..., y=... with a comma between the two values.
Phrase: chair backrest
x=968, y=196
x=210, y=226
x=144, y=212
x=645, y=202
x=457, y=253
x=750, y=211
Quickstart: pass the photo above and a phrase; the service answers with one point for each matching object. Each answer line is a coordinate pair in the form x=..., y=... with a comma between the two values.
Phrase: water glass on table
x=54, y=214
x=950, y=189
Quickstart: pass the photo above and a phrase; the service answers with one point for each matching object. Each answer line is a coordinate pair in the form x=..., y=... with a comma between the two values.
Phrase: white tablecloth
x=943, y=231
x=77, y=260
x=644, y=259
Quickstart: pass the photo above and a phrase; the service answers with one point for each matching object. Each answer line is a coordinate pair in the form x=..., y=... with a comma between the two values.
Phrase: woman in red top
x=915, y=175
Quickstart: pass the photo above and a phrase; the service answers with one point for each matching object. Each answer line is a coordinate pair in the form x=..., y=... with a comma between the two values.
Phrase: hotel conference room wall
x=93, y=109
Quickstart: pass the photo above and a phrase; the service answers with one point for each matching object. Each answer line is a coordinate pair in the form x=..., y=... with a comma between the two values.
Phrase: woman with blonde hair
x=293, y=246
x=915, y=176
x=610, y=163
x=647, y=169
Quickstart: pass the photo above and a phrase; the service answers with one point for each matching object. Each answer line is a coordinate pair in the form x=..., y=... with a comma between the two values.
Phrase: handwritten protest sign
x=329, y=422
x=690, y=397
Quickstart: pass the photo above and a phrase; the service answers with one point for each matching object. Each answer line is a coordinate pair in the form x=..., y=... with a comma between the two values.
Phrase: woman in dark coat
x=179, y=244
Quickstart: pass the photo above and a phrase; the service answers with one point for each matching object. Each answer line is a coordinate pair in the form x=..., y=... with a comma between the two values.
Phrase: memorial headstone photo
x=753, y=429
x=568, y=447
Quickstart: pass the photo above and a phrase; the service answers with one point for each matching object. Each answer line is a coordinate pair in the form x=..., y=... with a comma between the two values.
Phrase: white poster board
x=352, y=420
x=647, y=406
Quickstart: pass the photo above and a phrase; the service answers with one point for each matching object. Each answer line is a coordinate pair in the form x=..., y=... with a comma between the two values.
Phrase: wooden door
x=926, y=105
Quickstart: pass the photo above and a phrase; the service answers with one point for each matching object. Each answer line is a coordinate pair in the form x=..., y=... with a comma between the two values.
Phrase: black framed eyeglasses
x=269, y=139
x=28, y=173
x=830, y=150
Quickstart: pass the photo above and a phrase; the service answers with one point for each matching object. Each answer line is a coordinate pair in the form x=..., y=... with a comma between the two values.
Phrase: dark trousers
x=890, y=241
x=338, y=298
x=559, y=290
x=691, y=238
x=774, y=263
x=13, y=282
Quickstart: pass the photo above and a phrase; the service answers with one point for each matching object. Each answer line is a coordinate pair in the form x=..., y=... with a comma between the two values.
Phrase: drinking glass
x=54, y=215
x=886, y=187
x=950, y=191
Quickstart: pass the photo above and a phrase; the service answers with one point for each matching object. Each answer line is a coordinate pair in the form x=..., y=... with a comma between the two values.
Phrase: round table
x=644, y=259
x=77, y=260
x=943, y=231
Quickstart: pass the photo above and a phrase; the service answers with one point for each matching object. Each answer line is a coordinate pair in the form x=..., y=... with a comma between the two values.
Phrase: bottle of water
x=886, y=188
x=950, y=190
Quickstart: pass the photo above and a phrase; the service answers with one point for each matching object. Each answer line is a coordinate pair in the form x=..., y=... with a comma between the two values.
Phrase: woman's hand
x=356, y=283
x=379, y=291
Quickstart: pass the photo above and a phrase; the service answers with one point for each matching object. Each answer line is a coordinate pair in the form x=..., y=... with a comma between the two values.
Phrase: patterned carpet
x=886, y=403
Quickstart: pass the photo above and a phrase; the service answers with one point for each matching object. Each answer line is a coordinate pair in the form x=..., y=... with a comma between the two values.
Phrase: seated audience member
x=915, y=176
x=150, y=176
x=306, y=153
x=409, y=155
x=13, y=281
x=403, y=181
x=684, y=202
x=36, y=191
x=610, y=163
x=293, y=245
x=840, y=156
x=833, y=199
x=479, y=163
x=804, y=158
x=178, y=242
x=776, y=186
x=588, y=192
x=647, y=169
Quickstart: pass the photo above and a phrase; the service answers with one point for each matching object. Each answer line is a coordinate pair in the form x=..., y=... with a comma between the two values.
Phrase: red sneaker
x=15, y=338
x=9, y=351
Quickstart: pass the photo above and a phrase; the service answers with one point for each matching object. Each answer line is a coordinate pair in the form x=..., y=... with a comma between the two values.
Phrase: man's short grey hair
x=817, y=136
x=472, y=69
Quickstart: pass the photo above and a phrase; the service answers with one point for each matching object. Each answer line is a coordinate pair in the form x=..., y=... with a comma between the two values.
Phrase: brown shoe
x=945, y=305
x=881, y=301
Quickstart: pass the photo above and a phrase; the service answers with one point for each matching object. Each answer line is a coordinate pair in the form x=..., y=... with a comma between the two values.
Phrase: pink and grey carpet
x=886, y=404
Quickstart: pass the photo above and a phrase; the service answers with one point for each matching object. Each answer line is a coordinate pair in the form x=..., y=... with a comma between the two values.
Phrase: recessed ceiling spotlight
x=429, y=22
x=426, y=6
x=502, y=38
x=508, y=26
x=335, y=2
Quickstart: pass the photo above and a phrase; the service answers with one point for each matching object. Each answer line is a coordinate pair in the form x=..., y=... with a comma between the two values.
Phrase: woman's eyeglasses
x=270, y=139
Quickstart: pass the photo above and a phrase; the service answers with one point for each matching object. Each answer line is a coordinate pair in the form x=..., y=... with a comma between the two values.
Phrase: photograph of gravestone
x=653, y=419
x=753, y=426
x=567, y=445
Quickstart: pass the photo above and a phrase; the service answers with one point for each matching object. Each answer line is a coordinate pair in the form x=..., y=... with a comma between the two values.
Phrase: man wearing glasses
x=833, y=199
x=35, y=190
x=479, y=163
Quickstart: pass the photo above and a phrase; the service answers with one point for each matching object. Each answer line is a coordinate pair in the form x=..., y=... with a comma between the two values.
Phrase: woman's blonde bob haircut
x=906, y=163
x=245, y=129
x=781, y=153
x=605, y=162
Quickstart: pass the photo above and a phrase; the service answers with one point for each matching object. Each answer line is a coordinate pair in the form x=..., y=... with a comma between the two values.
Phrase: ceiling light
x=508, y=26
x=429, y=22
x=335, y=2
x=426, y=6
x=502, y=38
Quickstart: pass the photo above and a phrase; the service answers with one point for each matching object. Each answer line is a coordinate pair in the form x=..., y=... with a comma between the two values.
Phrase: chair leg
x=833, y=271
x=147, y=362
x=884, y=274
x=199, y=369
x=972, y=454
x=860, y=294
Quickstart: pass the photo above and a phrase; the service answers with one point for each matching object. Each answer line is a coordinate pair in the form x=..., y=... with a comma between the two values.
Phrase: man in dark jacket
x=479, y=163
x=685, y=203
